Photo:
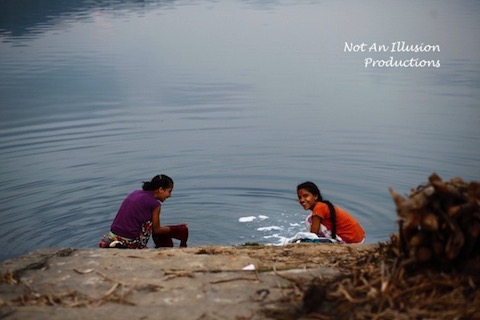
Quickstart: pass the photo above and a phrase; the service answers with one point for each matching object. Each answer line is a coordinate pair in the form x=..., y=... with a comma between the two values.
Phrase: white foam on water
x=276, y=235
x=269, y=228
x=247, y=219
x=281, y=239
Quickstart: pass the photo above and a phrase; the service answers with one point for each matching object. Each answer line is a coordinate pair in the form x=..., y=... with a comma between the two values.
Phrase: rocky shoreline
x=210, y=282
x=297, y=281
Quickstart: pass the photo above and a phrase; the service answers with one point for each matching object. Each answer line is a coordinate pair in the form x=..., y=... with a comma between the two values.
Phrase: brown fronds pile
x=430, y=270
x=439, y=222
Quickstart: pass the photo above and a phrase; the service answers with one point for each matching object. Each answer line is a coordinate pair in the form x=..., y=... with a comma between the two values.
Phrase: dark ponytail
x=333, y=216
x=313, y=189
x=159, y=181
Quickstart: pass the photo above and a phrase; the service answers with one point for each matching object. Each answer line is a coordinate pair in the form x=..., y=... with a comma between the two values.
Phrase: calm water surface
x=238, y=101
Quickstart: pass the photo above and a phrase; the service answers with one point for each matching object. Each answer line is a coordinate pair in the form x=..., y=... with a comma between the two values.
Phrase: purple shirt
x=136, y=209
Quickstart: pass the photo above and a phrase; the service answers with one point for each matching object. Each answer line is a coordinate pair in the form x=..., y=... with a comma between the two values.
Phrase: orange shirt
x=347, y=227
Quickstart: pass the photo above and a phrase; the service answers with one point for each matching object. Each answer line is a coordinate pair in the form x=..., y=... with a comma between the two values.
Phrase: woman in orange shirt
x=326, y=219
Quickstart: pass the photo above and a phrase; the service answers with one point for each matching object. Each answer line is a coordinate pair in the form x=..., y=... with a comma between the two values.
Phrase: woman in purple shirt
x=139, y=217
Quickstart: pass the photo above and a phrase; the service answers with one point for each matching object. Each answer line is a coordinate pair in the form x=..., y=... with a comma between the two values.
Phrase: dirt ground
x=247, y=282
x=298, y=281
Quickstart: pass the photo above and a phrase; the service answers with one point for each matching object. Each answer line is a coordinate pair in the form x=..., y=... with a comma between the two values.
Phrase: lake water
x=237, y=101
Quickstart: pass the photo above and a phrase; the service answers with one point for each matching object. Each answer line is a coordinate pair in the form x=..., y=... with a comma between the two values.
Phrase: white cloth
x=324, y=232
x=306, y=236
x=301, y=235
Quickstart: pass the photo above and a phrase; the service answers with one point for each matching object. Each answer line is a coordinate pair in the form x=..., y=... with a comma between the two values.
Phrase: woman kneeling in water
x=139, y=218
x=327, y=220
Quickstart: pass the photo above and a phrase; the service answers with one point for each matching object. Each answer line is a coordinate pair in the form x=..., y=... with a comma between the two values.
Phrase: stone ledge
x=205, y=282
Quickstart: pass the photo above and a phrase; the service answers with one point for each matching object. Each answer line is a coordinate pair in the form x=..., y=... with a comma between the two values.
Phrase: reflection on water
x=29, y=18
x=238, y=101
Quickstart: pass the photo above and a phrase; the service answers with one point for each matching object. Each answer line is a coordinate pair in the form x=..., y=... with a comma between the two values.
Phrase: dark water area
x=237, y=101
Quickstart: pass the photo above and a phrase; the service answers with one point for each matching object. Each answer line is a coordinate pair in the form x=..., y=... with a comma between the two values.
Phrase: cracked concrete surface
x=189, y=283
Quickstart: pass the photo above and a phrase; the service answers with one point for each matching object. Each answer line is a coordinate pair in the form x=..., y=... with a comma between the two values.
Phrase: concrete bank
x=211, y=282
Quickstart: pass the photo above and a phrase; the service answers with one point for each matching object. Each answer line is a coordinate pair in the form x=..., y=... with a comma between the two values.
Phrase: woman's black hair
x=159, y=181
x=313, y=189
